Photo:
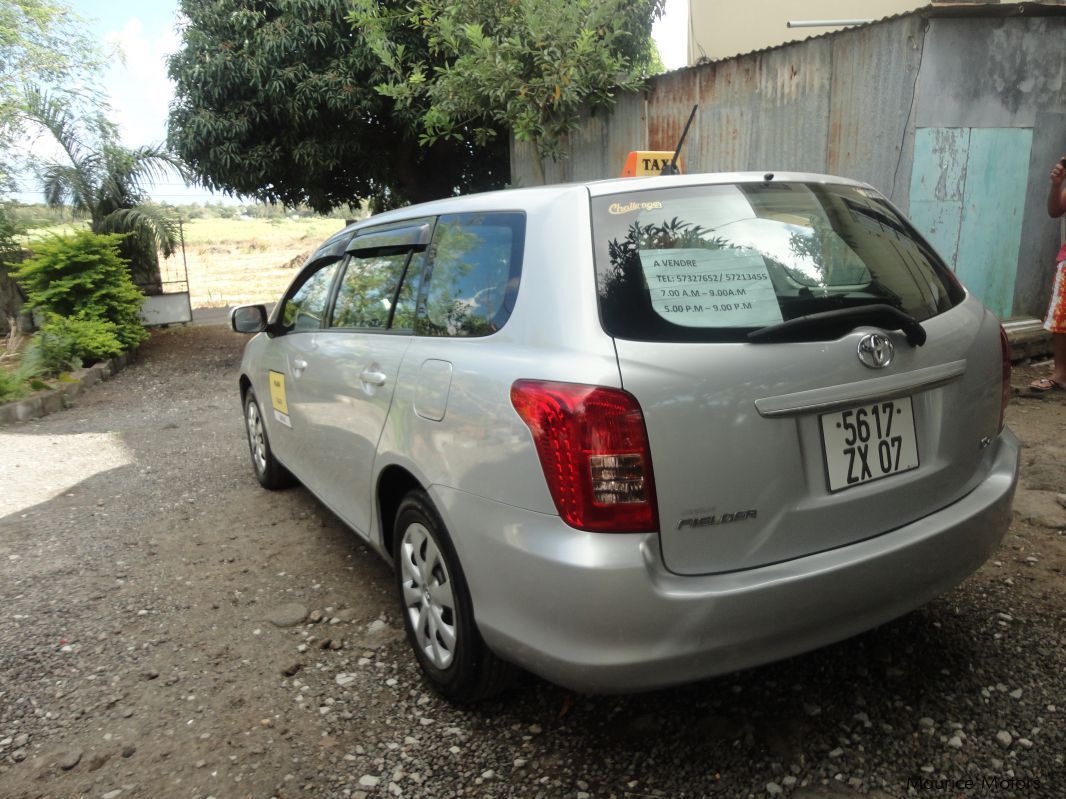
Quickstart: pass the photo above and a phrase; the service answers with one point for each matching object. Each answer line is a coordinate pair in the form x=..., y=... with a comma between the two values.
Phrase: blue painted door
x=967, y=197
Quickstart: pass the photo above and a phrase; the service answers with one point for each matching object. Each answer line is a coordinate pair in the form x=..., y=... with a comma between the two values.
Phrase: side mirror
x=248, y=318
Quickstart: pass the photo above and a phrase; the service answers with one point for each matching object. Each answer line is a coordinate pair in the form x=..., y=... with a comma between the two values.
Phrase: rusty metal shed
x=956, y=112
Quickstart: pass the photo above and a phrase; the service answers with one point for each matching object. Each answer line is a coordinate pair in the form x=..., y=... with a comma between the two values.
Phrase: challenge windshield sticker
x=277, y=398
x=710, y=288
x=628, y=208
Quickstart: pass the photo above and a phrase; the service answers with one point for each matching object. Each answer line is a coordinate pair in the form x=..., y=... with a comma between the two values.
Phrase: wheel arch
x=393, y=484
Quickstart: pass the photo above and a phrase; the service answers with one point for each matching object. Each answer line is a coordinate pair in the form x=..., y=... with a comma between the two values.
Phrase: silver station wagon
x=634, y=433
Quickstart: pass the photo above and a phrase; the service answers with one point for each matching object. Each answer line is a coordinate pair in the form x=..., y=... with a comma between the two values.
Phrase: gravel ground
x=169, y=629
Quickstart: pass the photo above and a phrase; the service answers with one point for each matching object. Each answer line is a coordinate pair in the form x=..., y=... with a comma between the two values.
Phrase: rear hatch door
x=810, y=373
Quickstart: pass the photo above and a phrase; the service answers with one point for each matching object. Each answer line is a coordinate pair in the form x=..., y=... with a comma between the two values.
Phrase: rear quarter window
x=473, y=267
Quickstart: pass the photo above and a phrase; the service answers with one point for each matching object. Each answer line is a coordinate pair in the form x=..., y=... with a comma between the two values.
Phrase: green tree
x=105, y=181
x=42, y=43
x=10, y=229
x=275, y=99
x=10, y=253
x=528, y=66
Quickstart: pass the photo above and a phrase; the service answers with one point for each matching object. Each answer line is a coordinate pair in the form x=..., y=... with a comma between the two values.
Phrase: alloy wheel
x=428, y=596
x=256, y=438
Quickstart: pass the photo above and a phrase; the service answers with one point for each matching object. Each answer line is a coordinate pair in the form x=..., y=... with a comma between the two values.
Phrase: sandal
x=1045, y=384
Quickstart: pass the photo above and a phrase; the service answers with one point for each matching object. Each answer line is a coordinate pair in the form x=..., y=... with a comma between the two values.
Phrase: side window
x=471, y=281
x=368, y=294
x=306, y=307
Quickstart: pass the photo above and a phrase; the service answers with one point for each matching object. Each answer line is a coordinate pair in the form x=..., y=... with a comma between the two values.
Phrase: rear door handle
x=298, y=365
x=373, y=378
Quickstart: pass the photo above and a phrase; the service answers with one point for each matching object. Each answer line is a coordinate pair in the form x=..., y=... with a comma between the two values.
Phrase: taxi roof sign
x=642, y=163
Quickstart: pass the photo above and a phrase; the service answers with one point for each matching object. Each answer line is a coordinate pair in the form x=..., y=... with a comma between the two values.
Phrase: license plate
x=869, y=442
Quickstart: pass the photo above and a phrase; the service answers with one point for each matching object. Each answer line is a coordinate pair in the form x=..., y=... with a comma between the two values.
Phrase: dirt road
x=147, y=585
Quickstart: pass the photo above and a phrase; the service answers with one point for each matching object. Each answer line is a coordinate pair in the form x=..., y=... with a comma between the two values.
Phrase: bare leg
x=1058, y=348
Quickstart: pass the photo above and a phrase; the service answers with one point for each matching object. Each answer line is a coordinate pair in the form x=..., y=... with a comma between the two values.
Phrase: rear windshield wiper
x=837, y=322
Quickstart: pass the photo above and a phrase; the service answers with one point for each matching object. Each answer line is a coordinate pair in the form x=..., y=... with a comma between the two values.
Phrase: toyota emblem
x=876, y=351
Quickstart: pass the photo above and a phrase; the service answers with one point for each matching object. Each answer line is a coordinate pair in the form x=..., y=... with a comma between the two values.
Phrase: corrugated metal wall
x=836, y=103
x=851, y=104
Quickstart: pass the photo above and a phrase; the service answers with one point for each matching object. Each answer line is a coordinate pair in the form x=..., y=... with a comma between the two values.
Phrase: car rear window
x=713, y=263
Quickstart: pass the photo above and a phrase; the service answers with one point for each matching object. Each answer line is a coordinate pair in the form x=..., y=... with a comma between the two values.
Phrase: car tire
x=437, y=610
x=268, y=471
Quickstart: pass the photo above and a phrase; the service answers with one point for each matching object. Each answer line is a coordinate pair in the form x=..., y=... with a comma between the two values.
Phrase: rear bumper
x=600, y=613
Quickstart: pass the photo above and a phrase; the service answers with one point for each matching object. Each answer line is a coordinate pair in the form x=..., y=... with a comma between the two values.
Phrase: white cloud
x=139, y=94
x=139, y=90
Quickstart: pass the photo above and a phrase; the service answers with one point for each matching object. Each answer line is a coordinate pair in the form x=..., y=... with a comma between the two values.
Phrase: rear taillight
x=1004, y=345
x=593, y=447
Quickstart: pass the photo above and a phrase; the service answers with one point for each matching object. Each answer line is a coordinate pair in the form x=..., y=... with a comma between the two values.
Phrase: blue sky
x=139, y=92
x=145, y=33
x=137, y=87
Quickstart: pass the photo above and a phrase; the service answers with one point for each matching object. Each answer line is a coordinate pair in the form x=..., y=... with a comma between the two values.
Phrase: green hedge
x=64, y=344
x=81, y=276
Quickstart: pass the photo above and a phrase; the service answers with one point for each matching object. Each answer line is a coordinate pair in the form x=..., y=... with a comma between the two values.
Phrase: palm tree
x=105, y=181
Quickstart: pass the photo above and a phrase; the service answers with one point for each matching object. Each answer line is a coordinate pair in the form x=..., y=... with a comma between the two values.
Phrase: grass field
x=230, y=262
x=234, y=261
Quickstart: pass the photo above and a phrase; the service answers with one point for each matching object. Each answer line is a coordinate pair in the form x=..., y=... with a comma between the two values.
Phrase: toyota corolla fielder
x=634, y=433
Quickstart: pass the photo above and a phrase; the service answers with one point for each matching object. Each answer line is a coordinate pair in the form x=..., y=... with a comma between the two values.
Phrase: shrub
x=85, y=340
x=94, y=339
x=82, y=276
x=50, y=352
x=63, y=344
x=12, y=386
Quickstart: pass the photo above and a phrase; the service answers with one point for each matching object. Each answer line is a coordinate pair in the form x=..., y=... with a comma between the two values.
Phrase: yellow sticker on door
x=277, y=392
x=277, y=398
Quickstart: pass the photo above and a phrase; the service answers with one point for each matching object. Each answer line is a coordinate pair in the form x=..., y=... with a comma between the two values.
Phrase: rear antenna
x=671, y=168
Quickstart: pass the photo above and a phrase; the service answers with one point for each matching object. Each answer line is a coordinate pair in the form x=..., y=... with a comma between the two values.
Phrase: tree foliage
x=14, y=382
x=44, y=44
x=529, y=66
x=82, y=276
x=275, y=99
x=66, y=343
x=107, y=182
x=10, y=228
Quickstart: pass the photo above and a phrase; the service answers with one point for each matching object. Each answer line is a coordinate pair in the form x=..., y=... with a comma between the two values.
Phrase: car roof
x=617, y=185
x=518, y=199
